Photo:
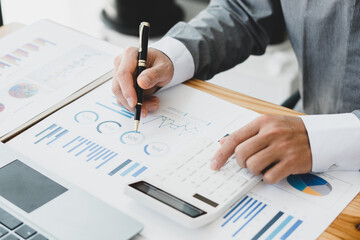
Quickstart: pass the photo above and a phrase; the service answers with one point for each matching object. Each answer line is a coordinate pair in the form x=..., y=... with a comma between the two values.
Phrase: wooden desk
x=346, y=224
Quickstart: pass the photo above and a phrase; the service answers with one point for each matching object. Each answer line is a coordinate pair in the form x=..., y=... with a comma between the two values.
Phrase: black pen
x=141, y=66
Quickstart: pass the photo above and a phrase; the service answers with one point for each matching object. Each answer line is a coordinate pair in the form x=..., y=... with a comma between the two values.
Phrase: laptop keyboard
x=12, y=228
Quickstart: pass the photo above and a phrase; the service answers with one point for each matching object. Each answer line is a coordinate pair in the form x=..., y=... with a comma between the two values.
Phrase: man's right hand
x=159, y=72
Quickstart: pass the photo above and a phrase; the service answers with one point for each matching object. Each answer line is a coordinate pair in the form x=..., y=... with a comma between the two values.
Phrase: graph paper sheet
x=91, y=143
x=42, y=64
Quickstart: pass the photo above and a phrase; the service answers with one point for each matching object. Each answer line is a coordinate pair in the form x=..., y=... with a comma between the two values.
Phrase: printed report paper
x=91, y=143
x=42, y=64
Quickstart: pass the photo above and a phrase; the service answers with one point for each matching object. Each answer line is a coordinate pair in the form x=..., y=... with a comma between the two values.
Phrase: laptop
x=38, y=205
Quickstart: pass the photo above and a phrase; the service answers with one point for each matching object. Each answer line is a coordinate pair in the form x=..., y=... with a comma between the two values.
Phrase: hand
x=159, y=72
x=275, y=146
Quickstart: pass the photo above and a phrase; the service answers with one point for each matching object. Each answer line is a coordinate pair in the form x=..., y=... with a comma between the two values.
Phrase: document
x=44, y=63
x=92, y=143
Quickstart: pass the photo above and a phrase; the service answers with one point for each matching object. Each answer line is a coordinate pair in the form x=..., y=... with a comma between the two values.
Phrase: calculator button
x=238, y=180
x=10, y=237
x=158, y=177
x=233, y=166
x=3, y=231
x=225, y=173
x=213, y=183
x=39, y=237
x=197, y=163
x=180, y=177
x=206, y=190
x=192, y=183
x=227, y=190
x=246, y=174
x=8, y=220
x=25, y=231
x=200, y=177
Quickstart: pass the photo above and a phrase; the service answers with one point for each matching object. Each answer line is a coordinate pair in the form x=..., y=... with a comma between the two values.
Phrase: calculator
x=188, y=191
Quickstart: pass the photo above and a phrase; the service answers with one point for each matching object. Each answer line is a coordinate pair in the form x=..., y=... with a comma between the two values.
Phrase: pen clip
x=141, y=33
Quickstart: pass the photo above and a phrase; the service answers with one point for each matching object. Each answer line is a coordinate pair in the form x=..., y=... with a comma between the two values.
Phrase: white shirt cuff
x=184, y=66
x=334, y=141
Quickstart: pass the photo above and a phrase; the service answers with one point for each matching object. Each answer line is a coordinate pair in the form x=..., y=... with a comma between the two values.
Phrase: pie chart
x=310, y=184
x=2, y=107
x=23, y=90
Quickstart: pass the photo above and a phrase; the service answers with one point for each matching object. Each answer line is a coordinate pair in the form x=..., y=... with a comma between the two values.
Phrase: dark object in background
x=1, y=18
x=291, y=101
x=125, y=16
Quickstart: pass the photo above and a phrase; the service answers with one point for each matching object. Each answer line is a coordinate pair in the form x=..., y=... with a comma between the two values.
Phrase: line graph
x=179, y=122
x=165, y=121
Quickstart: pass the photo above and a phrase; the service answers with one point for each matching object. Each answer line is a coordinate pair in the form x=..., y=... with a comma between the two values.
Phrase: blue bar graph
x=90, y=144
x=252, y=204
x=118, y=168
x=86, y=150
x=103, y=154
x=127, y=171
x=279, y=228
x=138, y=172
x=249, y=220
x=49, y=128
x=49, y=135
x=121, y=112
x=239, y=210
x=291, y=230
x=106, y=160
x=253, y=210
x=268, y=225
x=58, y=136
x=226, y=215
x=82, y=141
x=71, y=142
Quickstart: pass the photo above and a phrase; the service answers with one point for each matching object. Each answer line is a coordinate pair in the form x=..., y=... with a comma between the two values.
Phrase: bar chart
x=16, y=56
x=69, y=66
x=88, y=151
x=248, y=217
x=116, y=108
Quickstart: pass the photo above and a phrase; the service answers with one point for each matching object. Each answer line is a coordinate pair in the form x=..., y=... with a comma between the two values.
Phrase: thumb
x=152, y=76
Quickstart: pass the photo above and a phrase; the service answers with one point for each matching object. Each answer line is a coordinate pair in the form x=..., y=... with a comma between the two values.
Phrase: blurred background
x=272, y=77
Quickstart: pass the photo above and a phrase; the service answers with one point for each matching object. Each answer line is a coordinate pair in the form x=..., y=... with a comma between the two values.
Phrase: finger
x=117, y=61
x=260, y=161
x=149, y=105
x=223, y=139
x=119, y=96
x=125, y=74
x=234, y=139
x=152, y=76
x=249, y=147
x=278, y=172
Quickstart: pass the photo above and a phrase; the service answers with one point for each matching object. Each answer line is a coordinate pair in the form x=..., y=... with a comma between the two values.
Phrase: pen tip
x=136, y=125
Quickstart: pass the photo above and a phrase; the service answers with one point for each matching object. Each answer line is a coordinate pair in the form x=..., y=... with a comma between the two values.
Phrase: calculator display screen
x=168, y=199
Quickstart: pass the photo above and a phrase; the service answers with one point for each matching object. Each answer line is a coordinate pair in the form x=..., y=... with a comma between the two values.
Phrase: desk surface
x=346, y=225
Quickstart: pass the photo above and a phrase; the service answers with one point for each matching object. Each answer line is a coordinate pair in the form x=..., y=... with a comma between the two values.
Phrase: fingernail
x=214, y=164
x=152, y=108
x=145, y=81
x=130, y=102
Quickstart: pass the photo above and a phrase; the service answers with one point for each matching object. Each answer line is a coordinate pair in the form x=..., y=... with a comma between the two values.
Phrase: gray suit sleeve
x=227, y=32
x=357, y=113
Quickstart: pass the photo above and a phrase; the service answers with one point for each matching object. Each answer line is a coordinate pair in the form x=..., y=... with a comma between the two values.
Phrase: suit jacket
x=325, y=35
